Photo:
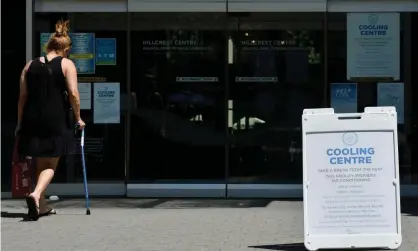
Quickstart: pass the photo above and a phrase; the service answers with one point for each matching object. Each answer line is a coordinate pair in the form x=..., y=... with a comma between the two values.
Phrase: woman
x=48, y=108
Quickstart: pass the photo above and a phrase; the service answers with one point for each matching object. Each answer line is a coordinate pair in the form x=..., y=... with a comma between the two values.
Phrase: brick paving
x=165, y=225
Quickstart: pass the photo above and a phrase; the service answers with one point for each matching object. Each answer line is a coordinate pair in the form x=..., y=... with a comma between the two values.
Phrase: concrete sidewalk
x=183, y=225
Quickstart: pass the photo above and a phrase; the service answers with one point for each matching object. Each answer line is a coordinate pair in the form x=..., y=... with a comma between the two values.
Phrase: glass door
x=178, y=125
x=276, y=70
x=105, y=134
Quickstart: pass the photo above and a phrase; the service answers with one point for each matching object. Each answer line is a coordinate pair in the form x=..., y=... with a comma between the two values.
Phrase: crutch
x=83, y=160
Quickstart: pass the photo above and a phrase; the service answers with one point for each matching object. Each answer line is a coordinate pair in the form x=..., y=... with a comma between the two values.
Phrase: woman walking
x=48, y=108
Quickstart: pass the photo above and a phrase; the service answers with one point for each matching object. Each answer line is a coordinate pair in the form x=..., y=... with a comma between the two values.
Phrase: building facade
x=204, y=98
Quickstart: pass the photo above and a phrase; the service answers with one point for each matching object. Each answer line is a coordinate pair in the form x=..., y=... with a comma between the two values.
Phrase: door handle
x=230, y=51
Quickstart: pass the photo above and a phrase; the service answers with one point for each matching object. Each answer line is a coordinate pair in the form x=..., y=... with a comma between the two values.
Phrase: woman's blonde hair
x=60, y=40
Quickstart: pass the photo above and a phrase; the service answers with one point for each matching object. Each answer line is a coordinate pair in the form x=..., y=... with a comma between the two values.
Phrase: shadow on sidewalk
x=282, y=247
x=298, y=247
x=409, y=206
x=157, y=203
x=15, y=215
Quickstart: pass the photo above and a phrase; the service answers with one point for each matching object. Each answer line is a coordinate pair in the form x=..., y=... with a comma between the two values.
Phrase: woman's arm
x=70, y=73
x=23, y=93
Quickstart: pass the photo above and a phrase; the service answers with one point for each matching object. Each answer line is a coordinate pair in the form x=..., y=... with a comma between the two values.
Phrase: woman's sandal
x=33, y=209
x=49, y=212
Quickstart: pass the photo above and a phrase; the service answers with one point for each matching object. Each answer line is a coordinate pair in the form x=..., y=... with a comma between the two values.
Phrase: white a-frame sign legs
x=351, y=179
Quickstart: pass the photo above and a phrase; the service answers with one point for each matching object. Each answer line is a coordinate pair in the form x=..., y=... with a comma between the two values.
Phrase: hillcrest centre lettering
x=350, y=156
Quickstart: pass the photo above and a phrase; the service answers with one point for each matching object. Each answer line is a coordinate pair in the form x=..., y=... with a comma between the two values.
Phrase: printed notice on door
x=373, y=45
x=392, y=94
x=85, y=95
x=106, y=103
x=351, y=188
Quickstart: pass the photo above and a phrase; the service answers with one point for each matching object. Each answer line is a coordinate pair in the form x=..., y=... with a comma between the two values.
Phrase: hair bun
x=61, y=28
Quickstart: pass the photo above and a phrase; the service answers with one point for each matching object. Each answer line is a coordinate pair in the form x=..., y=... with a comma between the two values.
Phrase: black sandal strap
x=33, y=209
x=49, y=212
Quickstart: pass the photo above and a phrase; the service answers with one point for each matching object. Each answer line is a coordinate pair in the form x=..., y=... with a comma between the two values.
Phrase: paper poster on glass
x=392, y=94
x=82, y=52
x=344, y=97
x=85, y=95
x=105, y=51
x=373, y=45
x=106, y=103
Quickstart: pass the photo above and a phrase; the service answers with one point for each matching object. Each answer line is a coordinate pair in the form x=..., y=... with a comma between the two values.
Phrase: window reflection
x=104, y=143
x=179, y=81
x=367, y=91
x=278, y=72
x=413, y=137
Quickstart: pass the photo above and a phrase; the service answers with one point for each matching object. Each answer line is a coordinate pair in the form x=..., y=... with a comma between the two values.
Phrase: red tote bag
x=21, y=174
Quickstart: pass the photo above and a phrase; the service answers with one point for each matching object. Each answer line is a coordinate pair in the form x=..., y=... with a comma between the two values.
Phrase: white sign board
x=373, y=45
x=351, y=179
x=106, y=103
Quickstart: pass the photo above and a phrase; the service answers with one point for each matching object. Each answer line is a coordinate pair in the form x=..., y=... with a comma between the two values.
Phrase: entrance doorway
x=275, y=71
x=178, y=134
x=219, y=100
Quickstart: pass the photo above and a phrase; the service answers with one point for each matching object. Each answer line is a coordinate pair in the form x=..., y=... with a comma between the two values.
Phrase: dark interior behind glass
x=367, y=91
x=104, y=143
x=278, y=71
x=178, y=128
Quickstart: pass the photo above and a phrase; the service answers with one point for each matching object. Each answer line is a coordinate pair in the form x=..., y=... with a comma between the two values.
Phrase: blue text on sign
x=343, y=156
x=343, y=92
x=106, y=94
x=373, y=29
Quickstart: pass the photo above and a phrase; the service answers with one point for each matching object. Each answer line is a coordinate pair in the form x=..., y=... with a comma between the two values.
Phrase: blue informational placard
x=44, y=42
x=344, y=97
x=392, y=94
x=82, y=52
x=105, y=51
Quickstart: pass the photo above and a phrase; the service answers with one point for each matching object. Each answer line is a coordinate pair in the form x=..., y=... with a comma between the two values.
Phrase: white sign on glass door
x=106, y=103
x=85, y=95
x=373, y=45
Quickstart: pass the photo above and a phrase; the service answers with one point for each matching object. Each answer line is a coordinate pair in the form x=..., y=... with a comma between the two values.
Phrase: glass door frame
x=96, y=188
x=259, y=190
x=228, y=190
x=174, y=188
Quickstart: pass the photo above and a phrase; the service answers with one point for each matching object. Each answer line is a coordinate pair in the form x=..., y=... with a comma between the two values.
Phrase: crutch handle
x=77, y=125
x=82, y=138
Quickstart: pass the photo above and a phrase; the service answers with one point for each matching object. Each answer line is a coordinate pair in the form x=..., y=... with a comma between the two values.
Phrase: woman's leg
x=46, y=170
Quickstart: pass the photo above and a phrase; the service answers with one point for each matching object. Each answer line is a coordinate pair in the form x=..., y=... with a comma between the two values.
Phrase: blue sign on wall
x=106, y=51
x=344, y=97
x=82, y=52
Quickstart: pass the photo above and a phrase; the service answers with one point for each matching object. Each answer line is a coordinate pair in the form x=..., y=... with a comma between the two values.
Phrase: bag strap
x=51, y=77
x=47, y=64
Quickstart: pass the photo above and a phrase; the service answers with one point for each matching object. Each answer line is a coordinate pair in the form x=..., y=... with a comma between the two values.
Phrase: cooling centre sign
x=373, y=45
x=106, y=103
x=351, y=179
x=352, y=189
x=349, y=155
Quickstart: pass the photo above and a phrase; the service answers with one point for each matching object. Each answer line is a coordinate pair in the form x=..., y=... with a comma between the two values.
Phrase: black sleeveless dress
x=46, y=129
